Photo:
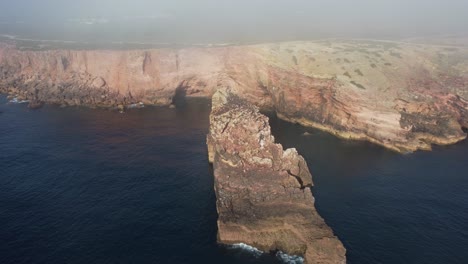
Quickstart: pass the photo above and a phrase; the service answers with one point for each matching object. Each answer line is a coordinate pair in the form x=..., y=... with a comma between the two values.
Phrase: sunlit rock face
x=263, y=192
x=398, y=95
x=108, y=78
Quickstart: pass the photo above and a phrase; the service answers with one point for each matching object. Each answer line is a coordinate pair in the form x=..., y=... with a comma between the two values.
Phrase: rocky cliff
x=399, y=95
x=108, y=78
x=263, y=192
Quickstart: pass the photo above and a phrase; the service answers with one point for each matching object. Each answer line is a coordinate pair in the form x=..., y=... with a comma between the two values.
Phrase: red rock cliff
x=402, y=96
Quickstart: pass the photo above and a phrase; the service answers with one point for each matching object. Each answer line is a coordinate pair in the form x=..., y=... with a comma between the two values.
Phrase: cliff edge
x=402, y=96
x=263, y=192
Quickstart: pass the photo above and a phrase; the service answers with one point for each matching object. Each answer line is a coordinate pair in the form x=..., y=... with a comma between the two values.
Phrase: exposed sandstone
x=263, y=192
x=402, y=96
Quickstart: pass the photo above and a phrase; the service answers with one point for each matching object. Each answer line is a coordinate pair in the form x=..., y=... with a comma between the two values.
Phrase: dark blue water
x=386, y=207
x=93, y=186
x=80, y=185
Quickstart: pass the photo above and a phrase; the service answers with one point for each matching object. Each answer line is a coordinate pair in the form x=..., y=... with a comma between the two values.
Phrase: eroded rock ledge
x=263, y=192
x=402, y=96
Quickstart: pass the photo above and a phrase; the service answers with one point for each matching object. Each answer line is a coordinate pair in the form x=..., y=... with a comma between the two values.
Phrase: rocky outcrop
x=263, y=192
x=398, y=95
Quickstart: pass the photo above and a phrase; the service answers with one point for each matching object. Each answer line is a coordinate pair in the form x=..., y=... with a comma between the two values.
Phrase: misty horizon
x=230, y=21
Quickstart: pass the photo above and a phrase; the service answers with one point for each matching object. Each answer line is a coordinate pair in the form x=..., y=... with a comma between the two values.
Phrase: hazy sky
x=269, y=19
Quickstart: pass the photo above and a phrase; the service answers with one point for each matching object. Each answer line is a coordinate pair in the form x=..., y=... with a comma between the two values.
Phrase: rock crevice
x=263, y=192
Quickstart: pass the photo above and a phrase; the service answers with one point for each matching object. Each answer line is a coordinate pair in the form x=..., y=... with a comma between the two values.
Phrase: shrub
x=360, y=86
x=358, y=72
x=294, y=60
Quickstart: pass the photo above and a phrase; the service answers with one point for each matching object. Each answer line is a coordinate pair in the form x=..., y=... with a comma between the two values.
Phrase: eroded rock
x=263, y=192
x=354, y=90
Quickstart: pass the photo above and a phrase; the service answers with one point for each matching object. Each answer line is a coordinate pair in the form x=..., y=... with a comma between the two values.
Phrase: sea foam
x=254, y=251
x=289, y=259
x=285, y=258
x=16, y=101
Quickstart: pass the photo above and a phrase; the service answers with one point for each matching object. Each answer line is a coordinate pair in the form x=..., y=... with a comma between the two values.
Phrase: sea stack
x=263, y=192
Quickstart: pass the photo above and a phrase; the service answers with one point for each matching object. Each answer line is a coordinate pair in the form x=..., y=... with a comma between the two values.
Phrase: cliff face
x=263, y=192
x=402, y=96
x=108, y=78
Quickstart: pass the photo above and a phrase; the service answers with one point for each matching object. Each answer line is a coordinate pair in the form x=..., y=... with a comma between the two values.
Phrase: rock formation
x=399, y=95
x=263, y=192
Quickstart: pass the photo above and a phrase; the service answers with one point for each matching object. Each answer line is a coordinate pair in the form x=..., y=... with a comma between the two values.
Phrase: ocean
x=80, y=185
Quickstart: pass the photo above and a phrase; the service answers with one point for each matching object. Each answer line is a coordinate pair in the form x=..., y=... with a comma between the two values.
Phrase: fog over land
x=223, y=21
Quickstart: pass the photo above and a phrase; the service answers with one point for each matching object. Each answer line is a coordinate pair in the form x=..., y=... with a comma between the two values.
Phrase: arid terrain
x=400, y=95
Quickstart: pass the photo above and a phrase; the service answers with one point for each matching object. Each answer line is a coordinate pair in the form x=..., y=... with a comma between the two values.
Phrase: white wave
x=138, y=105
x=285, y=258
x=16, y=101
x=254, y=251
x=288, y=259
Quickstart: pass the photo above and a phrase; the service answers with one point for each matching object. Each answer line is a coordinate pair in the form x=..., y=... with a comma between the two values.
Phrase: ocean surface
x=82, y=185
x=386, y=207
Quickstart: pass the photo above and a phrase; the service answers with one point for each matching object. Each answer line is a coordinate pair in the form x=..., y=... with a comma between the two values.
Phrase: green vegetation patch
x=358, y=72
x=358, y=85
x=294, y=60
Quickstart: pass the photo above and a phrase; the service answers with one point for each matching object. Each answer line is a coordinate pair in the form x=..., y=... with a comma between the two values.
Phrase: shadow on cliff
x=180, y=96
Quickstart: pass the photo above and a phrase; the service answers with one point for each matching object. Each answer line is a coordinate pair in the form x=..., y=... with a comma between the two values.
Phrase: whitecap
x=288, y=259
x=252, y=250
x=138, y=105
x=283, y=257
x=16, y=101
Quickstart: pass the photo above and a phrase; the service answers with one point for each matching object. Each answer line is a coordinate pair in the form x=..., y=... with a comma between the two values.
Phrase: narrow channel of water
x=387, y=207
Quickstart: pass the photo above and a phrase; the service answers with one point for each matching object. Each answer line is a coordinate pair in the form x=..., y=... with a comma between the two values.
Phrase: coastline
x=425, y=140
x=303, y=82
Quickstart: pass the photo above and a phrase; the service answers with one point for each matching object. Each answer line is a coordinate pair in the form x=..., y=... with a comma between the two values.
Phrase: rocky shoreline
x=263, y=192
x=401, y=96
